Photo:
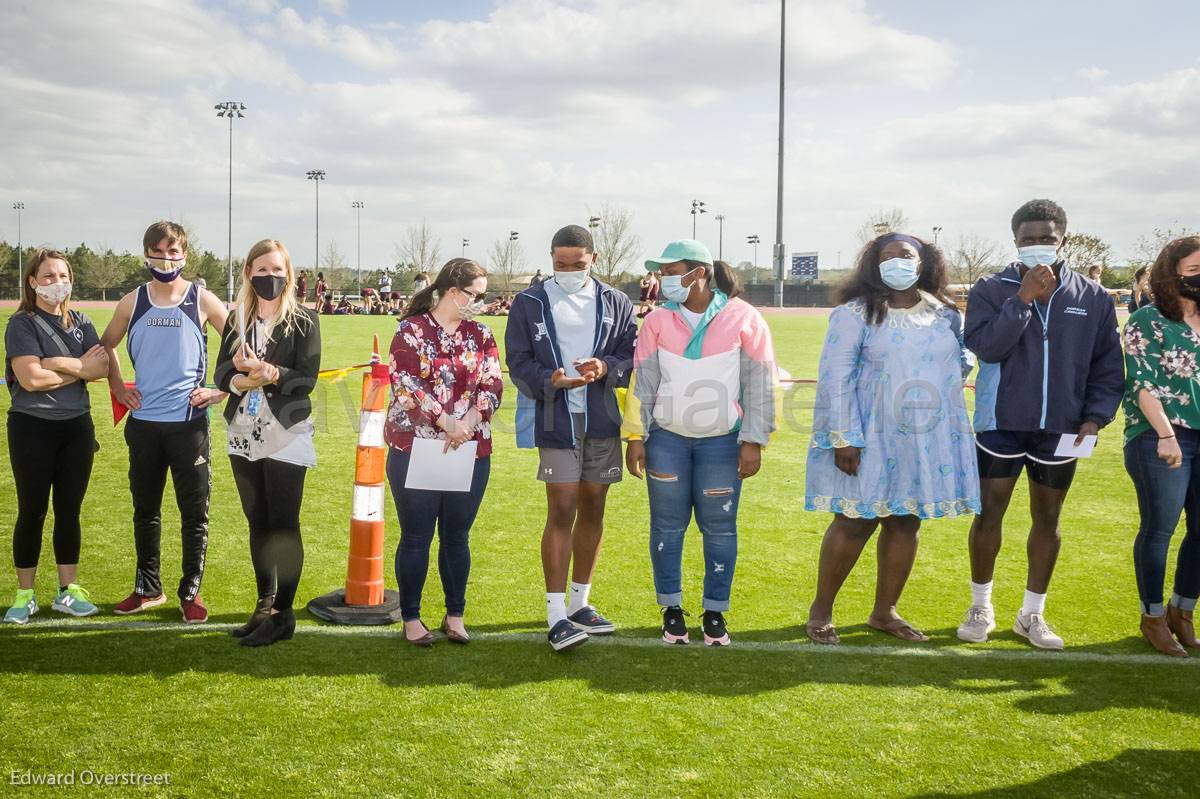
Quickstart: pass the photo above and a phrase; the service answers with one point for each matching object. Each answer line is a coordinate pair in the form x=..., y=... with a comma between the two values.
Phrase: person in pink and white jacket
x=699, y=412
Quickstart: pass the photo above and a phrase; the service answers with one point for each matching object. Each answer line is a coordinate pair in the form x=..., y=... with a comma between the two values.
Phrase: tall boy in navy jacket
x=1050, y=364
x=569, y=345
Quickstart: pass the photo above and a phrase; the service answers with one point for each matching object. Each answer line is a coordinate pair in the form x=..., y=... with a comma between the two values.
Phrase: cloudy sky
x=485, y=117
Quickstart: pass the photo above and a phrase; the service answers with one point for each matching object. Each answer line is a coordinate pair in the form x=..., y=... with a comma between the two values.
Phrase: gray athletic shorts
x=596, y=460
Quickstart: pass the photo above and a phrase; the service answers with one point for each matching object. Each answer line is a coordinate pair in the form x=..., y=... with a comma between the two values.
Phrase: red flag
x=119, y=408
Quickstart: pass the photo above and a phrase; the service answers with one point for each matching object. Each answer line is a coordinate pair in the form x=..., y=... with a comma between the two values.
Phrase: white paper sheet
x=1067, y=449
x=433, y=470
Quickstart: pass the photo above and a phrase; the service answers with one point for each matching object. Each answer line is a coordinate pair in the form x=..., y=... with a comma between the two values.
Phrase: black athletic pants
x=49, y=455
x=271, y=493
x=182, y=447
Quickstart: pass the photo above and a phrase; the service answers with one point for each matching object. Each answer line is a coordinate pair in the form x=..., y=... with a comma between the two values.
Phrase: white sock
x=981, y=594
x=579, y=597
x=1034, y=603
x=556, y=608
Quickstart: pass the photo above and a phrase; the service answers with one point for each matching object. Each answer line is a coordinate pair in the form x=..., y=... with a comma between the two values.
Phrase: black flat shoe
x=261, y=613
x=279, y=627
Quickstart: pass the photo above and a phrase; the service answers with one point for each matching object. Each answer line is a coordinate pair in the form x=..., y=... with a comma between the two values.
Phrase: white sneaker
x=980, y=620
x=1034, y=628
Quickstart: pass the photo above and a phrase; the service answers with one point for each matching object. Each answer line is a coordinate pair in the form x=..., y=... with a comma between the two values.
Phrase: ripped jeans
x=685, y=474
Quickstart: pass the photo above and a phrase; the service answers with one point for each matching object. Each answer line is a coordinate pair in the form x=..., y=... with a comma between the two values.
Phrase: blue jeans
x=685, y=475
x=1163, y=493
x=420, y=511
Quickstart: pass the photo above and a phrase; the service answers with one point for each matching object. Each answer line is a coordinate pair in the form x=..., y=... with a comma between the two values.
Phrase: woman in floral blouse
x=1162, y=442
x=446, y=384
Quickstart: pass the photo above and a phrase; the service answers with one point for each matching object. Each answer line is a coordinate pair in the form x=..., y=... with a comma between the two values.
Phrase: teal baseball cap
x=681, y=250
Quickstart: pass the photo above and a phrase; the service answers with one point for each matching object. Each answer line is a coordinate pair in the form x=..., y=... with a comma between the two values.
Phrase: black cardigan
x=298, y=357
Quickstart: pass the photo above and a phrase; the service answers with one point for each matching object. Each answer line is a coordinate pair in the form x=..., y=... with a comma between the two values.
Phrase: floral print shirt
x=434, y=371
x=1160, y=357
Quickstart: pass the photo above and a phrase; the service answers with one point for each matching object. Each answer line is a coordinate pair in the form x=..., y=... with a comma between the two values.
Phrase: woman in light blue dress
x=892, y=443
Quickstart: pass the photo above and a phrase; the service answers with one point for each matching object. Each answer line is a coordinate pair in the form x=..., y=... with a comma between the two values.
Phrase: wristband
x=1166, y=438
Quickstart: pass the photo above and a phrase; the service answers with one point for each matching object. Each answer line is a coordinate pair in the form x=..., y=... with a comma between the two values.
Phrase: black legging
x=271, y=493
x=49, y=454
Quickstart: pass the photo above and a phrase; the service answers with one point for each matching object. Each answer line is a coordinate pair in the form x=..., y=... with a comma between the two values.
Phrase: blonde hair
x=29, y=296
x=289, y=313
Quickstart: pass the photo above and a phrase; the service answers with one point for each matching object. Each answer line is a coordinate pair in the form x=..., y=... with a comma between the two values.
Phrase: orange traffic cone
x=364, y=600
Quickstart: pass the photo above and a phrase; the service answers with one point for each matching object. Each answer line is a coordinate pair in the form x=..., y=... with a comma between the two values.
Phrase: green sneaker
x=75, y=601
x=23, y=607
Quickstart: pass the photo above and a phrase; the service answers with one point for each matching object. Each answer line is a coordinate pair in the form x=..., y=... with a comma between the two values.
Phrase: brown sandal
x=1158, y=635
x=455, y=637
x=822, y=632
x=900, y=629
x=1180, y=623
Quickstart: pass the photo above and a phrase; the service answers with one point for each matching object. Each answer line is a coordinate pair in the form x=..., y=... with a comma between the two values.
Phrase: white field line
x=797, y=647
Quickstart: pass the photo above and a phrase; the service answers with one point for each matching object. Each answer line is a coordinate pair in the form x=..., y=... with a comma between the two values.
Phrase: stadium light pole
x=753, y=239
x=316, y=176
x=230, y=109
x=720, y=237
x=19, y=207
x=357, y=205
x=593, y=223
x=779, y=167
x=466, y=244
x=937, y=231
x=697, y=208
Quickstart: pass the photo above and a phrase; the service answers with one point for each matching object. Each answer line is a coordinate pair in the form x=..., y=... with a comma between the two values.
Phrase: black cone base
x=332, y=607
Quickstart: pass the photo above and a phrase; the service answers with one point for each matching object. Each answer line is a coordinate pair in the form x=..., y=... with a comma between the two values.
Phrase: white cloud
x=338, y=7
x=1092, y=74
x=354, y=45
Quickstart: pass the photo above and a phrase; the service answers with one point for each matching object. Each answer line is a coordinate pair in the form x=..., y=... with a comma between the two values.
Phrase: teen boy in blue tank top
x=163, y=322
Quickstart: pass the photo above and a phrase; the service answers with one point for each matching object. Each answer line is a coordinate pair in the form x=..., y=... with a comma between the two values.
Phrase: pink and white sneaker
x=674, y=628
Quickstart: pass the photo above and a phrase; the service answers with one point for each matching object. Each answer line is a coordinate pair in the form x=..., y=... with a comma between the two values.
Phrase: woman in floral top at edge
x=1162, y=442
x=446, y=384
x=892, y=443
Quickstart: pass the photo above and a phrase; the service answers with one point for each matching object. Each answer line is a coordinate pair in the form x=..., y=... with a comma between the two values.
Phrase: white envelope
x=1067, y=449
x=433, y=470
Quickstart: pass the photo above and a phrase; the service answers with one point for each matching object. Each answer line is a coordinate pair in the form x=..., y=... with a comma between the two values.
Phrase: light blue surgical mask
x=1038, y=255
x=899, y=273
x=571, y=282
x=673, y=288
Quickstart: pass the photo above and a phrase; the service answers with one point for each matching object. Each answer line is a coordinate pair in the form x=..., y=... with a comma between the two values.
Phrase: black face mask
x=268, y=286
x=1190, y=287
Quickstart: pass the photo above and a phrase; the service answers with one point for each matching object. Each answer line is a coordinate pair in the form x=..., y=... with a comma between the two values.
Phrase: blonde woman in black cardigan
x=269, y=358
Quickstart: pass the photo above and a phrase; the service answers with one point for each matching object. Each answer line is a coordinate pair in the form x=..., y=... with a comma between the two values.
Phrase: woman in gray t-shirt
x=50, y=354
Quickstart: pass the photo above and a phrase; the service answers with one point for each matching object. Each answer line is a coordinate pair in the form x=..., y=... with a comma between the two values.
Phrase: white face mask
x=55, y=293
x=470, y=310
x=1038, y=255
x=571, y=282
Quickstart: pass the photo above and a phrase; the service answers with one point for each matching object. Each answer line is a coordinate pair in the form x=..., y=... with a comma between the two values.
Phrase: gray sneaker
x=980, y=620
x=1034, y=628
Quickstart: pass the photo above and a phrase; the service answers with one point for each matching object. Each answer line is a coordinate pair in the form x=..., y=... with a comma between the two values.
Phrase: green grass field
x=340, y=712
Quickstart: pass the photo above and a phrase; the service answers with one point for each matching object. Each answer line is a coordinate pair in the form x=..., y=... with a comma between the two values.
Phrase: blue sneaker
x=75, y=601
x=22, y=608
x=591, y=622
x=564, y=636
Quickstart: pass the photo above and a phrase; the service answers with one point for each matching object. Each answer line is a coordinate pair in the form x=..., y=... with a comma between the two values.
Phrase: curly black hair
x=865, y=284
x=1040, y=211
x=1164, y=276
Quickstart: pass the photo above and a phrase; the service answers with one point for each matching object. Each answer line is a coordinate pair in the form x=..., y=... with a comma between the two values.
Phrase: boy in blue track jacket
x=1050, y=364
x=569, y=346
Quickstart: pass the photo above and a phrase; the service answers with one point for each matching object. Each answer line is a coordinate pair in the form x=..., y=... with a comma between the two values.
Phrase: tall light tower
x=697, y=208
x=937, y=231
x=230, y=109
x=465, y=245
x=316, y=176
x=358, y=206
x=19, y=207
x=779, y=167
x=720, y=237
x=753, y=239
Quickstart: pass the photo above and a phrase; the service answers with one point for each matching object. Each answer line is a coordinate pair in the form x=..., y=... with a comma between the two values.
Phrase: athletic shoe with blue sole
x=591, y=622
x=564, y=636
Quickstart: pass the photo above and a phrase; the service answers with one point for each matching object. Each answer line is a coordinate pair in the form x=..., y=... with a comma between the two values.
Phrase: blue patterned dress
x=895, y=390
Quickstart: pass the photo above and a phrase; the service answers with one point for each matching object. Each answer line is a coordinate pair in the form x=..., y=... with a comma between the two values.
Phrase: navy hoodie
x=1045, y=367
x=531, y=351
